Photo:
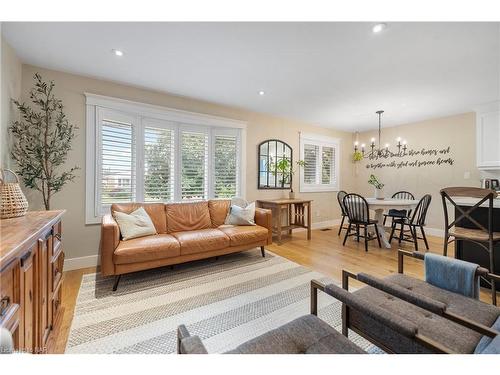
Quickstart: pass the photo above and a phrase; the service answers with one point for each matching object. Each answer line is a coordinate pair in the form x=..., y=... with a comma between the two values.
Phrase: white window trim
x=145, y=113
x=320, y=140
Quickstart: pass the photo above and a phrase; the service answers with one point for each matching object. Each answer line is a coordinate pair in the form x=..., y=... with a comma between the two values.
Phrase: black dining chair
x=417, y=220
x=359, y=216
x=340, y=198
x=398, y=214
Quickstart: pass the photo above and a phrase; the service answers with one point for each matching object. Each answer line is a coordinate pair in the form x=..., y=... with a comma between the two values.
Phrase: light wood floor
x=323, y=253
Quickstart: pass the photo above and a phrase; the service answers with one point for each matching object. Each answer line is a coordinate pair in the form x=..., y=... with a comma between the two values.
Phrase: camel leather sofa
x=185, y=232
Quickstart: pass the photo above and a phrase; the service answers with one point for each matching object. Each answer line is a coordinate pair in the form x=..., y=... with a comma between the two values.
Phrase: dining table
x=383, y=205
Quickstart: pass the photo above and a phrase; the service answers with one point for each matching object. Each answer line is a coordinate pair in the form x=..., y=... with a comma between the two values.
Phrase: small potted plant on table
x=284, y=168
x=379, y=187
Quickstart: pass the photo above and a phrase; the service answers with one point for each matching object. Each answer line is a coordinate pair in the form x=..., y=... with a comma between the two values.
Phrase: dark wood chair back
x=420, y=212
x=484, y=195
x=403, y=195
x=340, y=198
x=357, y=209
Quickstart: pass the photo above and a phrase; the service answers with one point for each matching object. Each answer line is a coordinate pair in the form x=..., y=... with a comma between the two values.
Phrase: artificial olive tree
x=41, y=141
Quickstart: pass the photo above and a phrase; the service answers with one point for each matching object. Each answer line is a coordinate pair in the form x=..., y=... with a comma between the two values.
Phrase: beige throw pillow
x=241, y=215
x=135, y=224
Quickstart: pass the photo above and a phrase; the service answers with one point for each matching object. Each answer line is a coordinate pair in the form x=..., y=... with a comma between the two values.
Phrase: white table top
x=374, y=203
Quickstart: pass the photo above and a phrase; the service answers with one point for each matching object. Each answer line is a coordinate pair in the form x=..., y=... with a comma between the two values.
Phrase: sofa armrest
x=110, y=238
x=383, y=316
x=187, y=344
x=264, y=218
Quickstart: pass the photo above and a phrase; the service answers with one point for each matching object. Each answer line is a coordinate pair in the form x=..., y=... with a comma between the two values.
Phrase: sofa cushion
x=199, y=241
x=134, y=225
x=148, y=248
x=244, y=235
x=187, y=216
x=305, y=335
x=241, y=215
x=156, y=212
x=218, y=209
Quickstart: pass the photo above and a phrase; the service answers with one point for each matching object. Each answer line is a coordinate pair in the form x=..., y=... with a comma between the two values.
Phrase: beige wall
x=83, y=240
x=458, y=132
x=10, y=89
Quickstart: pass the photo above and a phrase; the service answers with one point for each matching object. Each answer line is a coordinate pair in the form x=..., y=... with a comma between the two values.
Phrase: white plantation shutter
x=117, y=167
x=146, y=155
x=311, y=162
x=159, y=164
x=327, y=165
x=320, y=154
x=194, y=164
x=225, y=165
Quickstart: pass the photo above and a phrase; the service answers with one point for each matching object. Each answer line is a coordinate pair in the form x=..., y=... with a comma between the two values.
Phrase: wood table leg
x=309, y=221
x=289, y=210
x=278, y=224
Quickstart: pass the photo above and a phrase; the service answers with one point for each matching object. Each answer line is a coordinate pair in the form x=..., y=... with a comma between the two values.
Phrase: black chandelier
x=376, y=152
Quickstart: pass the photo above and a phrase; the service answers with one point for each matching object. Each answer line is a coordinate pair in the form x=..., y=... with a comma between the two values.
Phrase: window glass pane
x=158, y=164
x=225, y=159
x=310, y=158
x=194, y=157
x=117, y=163
x=327, y=157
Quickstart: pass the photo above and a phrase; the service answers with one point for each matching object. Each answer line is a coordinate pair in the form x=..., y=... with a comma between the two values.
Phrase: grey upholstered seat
x=470, y=308
x=305, y=335
x=450, y=334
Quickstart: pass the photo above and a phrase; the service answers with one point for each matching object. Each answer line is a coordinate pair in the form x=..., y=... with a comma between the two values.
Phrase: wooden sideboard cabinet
x=31, y=269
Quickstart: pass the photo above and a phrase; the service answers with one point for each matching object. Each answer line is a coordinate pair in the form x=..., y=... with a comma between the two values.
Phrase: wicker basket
x=13, y=203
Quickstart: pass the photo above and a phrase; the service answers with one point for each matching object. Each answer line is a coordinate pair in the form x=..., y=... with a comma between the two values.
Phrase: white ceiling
x=330, y=74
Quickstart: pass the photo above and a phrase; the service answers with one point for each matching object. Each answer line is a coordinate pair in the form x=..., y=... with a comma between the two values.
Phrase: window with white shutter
x=141, y=153
x=225, y=161
x=117, y=161
x=320, y=155
x=311, y=162
x=194, y=165
x=159, y=167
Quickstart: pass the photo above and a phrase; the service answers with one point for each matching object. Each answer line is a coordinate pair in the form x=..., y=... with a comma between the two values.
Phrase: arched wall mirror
x=272, y=152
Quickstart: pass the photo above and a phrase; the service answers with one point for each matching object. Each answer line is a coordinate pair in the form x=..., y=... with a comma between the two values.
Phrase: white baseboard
x=434, y=232
x=81, y=262
x=321, y=225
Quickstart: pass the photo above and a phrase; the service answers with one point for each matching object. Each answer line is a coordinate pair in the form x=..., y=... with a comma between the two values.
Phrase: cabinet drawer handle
x=4, y=303
x=58, y=236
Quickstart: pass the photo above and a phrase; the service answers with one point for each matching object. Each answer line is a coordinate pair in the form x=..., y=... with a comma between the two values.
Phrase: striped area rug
x=226, y=302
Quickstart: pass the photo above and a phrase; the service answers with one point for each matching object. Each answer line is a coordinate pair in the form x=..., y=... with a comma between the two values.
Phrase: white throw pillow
x=241, y=215
x=135, y=224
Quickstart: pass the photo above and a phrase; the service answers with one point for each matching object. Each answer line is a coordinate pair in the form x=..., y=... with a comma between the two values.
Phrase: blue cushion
x=488, y=345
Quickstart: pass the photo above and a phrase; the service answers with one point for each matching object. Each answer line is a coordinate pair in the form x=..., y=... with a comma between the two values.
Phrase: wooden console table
x=31, y=268
x=297, y=213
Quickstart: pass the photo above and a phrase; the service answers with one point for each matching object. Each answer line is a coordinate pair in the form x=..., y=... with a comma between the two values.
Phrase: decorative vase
x=291, y=195
x=379, y=193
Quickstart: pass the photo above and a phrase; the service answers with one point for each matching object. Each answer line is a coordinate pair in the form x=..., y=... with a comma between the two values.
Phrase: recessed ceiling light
x=261, y=93
x=379, y=27
x=117, y=52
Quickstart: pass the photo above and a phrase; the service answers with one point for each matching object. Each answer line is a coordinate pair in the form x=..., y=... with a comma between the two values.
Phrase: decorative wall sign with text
x=424, y=157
